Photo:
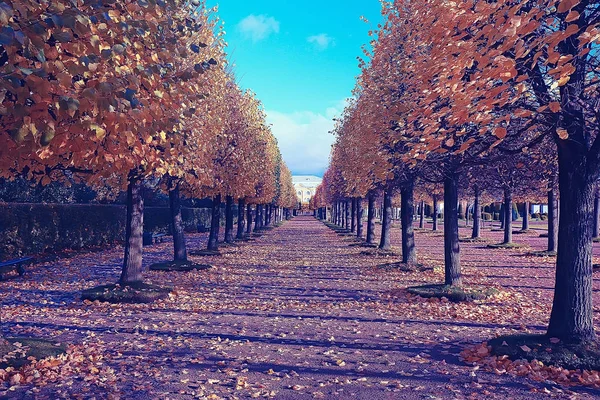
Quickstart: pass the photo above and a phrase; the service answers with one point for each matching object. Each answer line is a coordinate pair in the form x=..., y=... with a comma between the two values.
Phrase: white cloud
x=304, y=138
x=258, y=27
x=321, y=41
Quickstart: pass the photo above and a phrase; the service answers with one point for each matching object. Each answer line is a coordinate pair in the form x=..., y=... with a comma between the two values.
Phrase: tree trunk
x=386, y=225
x=596, y=232
x=476, y=216
x=552, y=221
x=371, y=220
x=249, y=218
x=241, y=223
x=215, y=224
x=348, y=216
x=572, y=311
x=359, y=218
x=435, y=212
x=134, y=231
x=502, y=216
x=507, y=216
x=267, y=215
x=526, y=217
x=179, y=248
x=451, y=241
x=409, y=252
x=257, y=218
x=229, y=219
x=353, y=216
x=422, y=215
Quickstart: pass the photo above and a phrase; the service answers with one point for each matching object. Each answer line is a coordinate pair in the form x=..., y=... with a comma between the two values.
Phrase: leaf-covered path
x=298, y=313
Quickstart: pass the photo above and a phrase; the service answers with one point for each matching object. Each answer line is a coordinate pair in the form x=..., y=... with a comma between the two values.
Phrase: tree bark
x=435, y=212
x=257, y=218
x=596, y=232
x=409, y=252
x=525, y=217
x=502, y=216
x=507, y=216
x=249, y=218
x=353, y=216
x=359, y=218
x=451, y=240
x=215, y=224
x=348, y=215
x=241, y=223
x=386, y=225
x=229, y=220
x=134, y=231
x=179, y=247
x=422, y=215
x=552, y=221
x=571, y=318
x=371, y=220
x=267, y=214
x=476, y=215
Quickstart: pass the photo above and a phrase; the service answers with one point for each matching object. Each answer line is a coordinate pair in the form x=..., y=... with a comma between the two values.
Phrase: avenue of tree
x=482, y=101
x=130, y=94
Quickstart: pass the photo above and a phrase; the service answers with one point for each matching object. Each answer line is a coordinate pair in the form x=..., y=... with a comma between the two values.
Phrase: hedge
x=31, y=229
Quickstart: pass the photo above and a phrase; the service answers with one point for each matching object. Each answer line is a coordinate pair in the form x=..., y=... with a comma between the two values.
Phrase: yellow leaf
x=572, y=16
x=562, y=133
x=554, y=106
x=500, y=132
x=566, y=5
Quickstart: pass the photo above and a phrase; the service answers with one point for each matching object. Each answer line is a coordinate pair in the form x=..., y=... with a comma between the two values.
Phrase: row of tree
x=127, y=94
x=474, y=99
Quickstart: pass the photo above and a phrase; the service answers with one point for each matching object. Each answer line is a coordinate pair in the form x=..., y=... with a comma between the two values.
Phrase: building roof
x=306, y=179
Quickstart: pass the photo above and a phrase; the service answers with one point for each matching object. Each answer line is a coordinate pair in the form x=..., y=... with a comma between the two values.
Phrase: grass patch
x=228, y=244
x=379, y=253
x=14, y=352
x=550, y=351
x=543, y=253
x=179, y=266
x=405, y=267
x=369, y=245
x=452, y=293
x=473, y=240
x=596, y=240
x=357, y=243
x=205, y=253
x=504, y=246
x=247, y=238
x=135, y=292
x=520, y=232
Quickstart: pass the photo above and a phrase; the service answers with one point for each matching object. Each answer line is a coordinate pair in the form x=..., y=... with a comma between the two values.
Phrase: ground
x=298, y=313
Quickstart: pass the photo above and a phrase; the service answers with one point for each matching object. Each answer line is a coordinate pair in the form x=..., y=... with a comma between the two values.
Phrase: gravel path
x=298, y=313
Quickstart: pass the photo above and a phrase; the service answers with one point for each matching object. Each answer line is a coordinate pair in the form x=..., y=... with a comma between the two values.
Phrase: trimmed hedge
x=30, y=229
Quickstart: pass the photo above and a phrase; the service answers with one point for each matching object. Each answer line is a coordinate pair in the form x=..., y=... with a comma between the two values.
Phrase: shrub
x=30, y=229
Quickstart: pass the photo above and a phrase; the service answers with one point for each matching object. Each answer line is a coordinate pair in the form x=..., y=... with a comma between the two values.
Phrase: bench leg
x=20, y=270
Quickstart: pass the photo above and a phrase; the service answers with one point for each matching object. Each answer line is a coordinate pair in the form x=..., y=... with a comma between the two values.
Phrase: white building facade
x=306, y=186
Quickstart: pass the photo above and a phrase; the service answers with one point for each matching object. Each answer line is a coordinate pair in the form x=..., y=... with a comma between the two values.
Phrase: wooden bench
x=17, y=264
x=152, y=238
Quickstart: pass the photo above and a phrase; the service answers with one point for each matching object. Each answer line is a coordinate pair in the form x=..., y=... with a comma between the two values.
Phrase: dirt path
x=296, y=314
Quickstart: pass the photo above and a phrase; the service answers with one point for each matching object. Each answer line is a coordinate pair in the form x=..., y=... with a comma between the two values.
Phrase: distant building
x=306, y=186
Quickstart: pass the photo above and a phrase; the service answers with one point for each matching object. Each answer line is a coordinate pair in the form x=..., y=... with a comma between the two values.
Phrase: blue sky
x=301, y=60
